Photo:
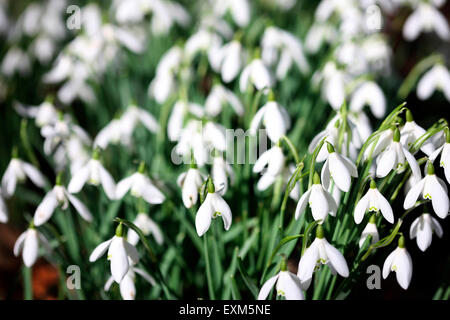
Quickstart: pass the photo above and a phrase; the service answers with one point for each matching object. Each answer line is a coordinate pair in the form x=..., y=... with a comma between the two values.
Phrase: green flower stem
x=209, y=278
x=27, y=283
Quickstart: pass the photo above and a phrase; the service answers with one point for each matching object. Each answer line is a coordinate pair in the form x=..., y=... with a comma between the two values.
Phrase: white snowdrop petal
x=302, y=203
x=361, y=208
x=413, y=195
x=267, y=287
x=34, y=174
x=203, y=217
x=127, y=288
x=291, y=286
x=340, y=174
x=99, y=250
x=80, y=207
x=118, y=257
x=131, y=252
x=337, y=260
x=386, y=163
x=308, y=262
x=79, y=179
x=439, y=200
x=220, y=205
x=19, y=244
x=388, y=263
x=403, y=263
x=424, y=235
x=265, y=181
x=123, y=186
x=108, y=183
x=385, y=207
x=45, y=209
x=30, y=248
x=318, y=203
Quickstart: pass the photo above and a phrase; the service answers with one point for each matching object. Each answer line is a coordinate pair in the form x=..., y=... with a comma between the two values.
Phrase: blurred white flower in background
x=16, y=172
x=147, y=226
x=437, y=78
x=28, y=244
x=426, y=18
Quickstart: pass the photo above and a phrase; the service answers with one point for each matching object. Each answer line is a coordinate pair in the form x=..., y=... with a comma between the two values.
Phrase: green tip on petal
x=50, y=99
x=257, y=54
x=396, y=135
x=119, y=230
x=60, y=116
x=141, y=167
x=330, y=147
x=373, y=219
x=31, y=225
x=447, y=134
x=316, y=178
x=430, y=168
x=337, y=124
x=210, y=186
x=373, y=184
x=409, y=117
x=320, y=232
x=401, y=242
x=193, y=163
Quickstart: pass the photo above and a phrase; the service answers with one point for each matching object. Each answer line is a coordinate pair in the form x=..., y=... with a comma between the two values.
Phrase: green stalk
x=208, y=269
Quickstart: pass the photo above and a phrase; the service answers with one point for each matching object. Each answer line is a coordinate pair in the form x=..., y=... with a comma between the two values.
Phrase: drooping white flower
x=202, y=41
x=180, y=111
x=394, y=157
x=44, y=114
x=190, y=183
x=275, y=118
x=127, y=286
x=320, y=200
x=95, y=174
x=283, y=49
x=28, y=244
x=430, y=188
x=213, y=207
x=147, y=226
x=369, y=93
x=444, y=160
x=411, y=132
x=288, y=285
x=321, y=252
x=221, y=172
x=3, y=209
x=425, y=18
x=333, y=85
x=15, y=61
x=220, y=97
x=274, y=159
x=139, y=186
x=380, y=143
x=437, y=78
x=339, y=168
x=399, y=261
x=373, y=201
x=239, y=9
x=422, y=229
x=120, y=254
x=59, y=196
x=227, y=60
x=17, y=171
x=370, y=230
x=257, y=74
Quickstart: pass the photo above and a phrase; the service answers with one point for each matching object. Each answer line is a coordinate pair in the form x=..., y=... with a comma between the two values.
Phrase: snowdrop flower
x=59, y=196
x=147, y=226
x=274, y=117
x=190, y=183
x=28, y=244
x=44, y=114
x=17, y=171
x=373, y=201
x=437, y=78
x=212, y=207
x=444, y=151
x=422, y=229
x=369, y=93
x=139, y=185
x=120, y=253
x=430, y=188
x=288, y=285
x=333, y=85
x=283, y=48
x=220, y=96
x=3, y=209
x=395, y=157
x=239, y=9
x=227, y=60
x=180, y=111
x=257, y=74
x=400, y=262
x=384, y=140
x=221, y=171
x=202, y=41
x=321, y=252
x=411, y=132
x=320, y=200
x=370, y=230
x=15, y=61
x=425, y=18
x=339, y=168
x=126, y=286
x=274, y=159
x=95, y=174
